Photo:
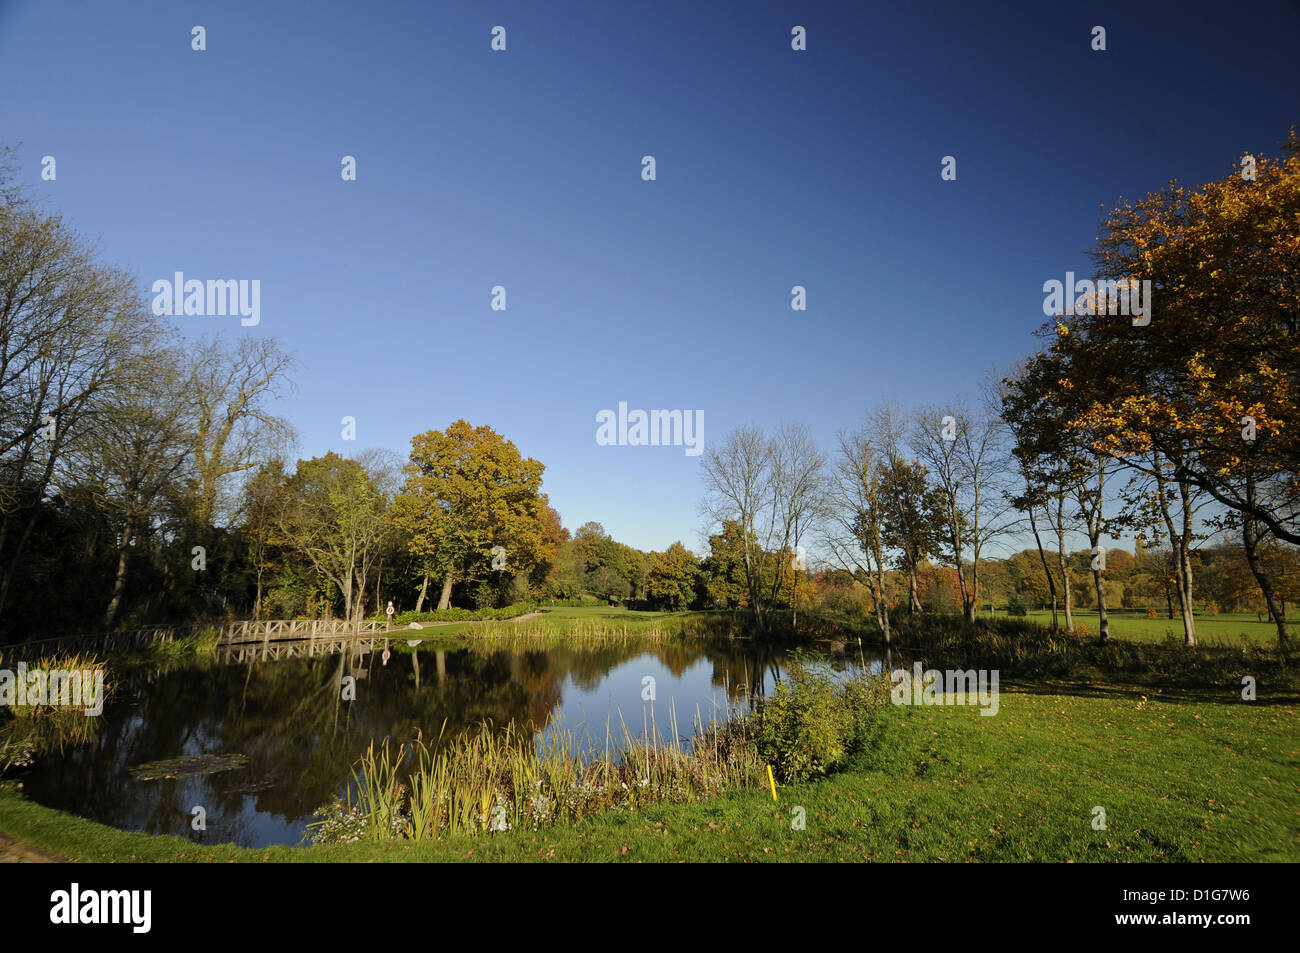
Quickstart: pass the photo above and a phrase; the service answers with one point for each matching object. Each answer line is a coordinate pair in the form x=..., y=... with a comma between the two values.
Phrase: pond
x=301, y=739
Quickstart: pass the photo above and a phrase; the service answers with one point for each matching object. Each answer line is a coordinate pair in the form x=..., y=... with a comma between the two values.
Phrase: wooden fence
x=313, y=634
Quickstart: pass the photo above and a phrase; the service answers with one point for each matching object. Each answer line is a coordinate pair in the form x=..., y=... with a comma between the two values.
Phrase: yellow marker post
x=771, y=781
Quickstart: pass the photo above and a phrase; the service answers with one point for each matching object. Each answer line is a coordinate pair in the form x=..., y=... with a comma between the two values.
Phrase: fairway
x=1236, y=628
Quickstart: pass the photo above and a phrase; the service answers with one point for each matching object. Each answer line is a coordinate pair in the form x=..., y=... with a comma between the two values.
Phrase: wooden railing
x=243, y=633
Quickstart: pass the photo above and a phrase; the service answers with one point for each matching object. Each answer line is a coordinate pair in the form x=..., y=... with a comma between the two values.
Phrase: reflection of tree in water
x=302, y=739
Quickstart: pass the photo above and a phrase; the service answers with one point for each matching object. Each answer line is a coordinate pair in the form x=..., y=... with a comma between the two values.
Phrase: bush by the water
x=810, y=724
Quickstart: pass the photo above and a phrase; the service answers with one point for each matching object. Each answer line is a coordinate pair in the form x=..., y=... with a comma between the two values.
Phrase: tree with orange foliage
x=1211, y=384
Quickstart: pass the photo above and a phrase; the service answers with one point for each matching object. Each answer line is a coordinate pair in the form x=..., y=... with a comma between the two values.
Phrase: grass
x=1199, y=777
x=1237, y=628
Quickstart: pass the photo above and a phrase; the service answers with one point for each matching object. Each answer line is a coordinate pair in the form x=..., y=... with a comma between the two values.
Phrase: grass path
x=15, y=852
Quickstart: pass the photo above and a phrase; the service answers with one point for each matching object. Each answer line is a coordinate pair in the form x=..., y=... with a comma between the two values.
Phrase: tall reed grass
x=493, y=781
x=498, y=780
x=28, y=732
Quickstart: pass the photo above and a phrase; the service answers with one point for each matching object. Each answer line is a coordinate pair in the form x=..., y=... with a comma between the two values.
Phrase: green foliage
x=810, y=724
x=670, y=583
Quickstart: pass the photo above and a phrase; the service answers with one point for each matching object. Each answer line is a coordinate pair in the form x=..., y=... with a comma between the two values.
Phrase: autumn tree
x=468, y=490
x=671, y=578
x=1210, y=382
x=723, y=569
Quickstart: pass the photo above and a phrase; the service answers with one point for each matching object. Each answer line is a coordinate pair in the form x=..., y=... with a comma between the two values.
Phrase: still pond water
x=301, y=740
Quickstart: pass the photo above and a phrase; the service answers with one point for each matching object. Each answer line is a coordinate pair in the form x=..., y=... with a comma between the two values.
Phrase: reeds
x=545, y=631
x=30, y=731
x=496, y=780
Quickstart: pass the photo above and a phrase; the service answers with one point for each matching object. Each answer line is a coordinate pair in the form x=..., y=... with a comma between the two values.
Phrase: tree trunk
x=1180, y=547
x=954, y=539
x=753, y=587
x=119, y=582
x=1185, y=553
x=1103, y=621
x=794, y=603
x=1065, y=581
x=424, y=588
x=444, y=602
x=257, y=598
x=1051, y=580
x=1250, y=542
x=882, y=607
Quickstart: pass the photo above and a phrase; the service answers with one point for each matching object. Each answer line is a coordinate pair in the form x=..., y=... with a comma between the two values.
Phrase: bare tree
x=141, y=438
x=799, y=469
x=966, y=453
x=855, y=525
x=773, y=490
x=231, y=385
x=69, y=330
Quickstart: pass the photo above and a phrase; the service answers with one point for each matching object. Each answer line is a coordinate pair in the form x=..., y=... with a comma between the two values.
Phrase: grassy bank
x=1202, y=777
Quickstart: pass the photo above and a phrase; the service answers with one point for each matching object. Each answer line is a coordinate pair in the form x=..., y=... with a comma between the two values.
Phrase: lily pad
x=188, y=766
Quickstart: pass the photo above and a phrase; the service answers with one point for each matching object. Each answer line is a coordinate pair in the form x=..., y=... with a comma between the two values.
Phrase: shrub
x=800, y=730
x=1212, y=607
x=1151, y=612
x=1016, y=605
x=810, y=724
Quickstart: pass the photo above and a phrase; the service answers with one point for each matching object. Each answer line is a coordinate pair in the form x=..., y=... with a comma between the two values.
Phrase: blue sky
x=522, y=169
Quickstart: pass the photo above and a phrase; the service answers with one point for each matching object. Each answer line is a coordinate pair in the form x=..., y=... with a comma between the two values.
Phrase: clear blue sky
x=523, y=169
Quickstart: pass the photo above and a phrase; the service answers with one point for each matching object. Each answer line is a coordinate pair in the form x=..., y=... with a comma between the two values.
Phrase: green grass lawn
x=556, y=613
x=1181, y=776
x=1224, y=629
